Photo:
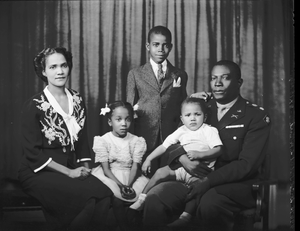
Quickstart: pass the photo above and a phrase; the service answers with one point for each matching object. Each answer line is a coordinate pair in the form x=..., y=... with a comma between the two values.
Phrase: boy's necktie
x=160, y=75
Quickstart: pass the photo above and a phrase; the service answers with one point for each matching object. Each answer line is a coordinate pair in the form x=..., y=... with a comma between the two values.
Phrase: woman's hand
x=202, y=95
x=81, y=173
x=146, y=168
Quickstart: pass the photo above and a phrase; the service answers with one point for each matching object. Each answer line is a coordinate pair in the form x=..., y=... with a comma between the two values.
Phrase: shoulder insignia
x=254, y=105
x=267, y=119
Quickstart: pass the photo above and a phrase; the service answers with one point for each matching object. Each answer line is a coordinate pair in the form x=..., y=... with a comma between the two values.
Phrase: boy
x=193, y=135
x=158, y=88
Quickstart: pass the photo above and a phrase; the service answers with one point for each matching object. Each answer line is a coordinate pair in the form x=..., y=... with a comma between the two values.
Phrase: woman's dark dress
x=45, y=137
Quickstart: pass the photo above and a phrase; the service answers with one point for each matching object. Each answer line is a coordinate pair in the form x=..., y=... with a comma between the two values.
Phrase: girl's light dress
x=120, y=153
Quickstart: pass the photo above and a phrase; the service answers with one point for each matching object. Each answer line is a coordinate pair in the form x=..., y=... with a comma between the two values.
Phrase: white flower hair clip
x=105, y=110
x=135, y=108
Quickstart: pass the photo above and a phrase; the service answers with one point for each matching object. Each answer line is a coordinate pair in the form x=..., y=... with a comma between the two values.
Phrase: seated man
x=244, y=130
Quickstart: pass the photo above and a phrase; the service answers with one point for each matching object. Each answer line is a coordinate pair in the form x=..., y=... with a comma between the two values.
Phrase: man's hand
x=197, y=189
x=195, y=168
x=202, y=95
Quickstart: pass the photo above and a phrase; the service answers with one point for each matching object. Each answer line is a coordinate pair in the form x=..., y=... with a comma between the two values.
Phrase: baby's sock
x=139, y=204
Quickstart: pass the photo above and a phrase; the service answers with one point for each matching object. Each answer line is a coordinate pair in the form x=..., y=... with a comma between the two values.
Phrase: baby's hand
x=193, y=155
x=146, y=168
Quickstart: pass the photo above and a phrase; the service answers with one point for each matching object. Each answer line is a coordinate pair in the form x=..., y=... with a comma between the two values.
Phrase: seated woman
x=55, y=167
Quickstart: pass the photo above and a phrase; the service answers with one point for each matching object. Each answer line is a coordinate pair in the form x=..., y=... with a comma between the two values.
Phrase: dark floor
x=279, y=216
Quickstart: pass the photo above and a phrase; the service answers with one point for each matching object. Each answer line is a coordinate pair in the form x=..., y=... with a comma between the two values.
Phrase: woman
x=55, y=167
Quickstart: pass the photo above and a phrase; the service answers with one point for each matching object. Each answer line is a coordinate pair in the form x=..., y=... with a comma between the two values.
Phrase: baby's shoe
x=182, y=221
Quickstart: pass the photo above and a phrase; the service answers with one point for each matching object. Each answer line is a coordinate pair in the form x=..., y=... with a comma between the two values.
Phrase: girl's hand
x=81, y=173
x=127, y=192
x=202, y=95
x=146, y=168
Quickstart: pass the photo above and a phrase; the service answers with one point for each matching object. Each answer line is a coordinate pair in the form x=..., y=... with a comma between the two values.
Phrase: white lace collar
x=70, y=120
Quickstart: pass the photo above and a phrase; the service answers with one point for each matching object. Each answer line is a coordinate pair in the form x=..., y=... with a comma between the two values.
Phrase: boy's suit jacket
x=158, y=109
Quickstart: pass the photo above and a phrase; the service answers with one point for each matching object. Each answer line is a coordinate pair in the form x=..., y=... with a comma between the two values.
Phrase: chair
x=13, y=198
x=246, y=219
x=264, y=192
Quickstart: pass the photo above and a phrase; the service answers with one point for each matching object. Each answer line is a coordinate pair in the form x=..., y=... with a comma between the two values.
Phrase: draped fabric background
x=107, y=39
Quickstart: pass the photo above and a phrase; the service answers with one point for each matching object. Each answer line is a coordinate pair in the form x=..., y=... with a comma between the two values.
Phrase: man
x=244, y=130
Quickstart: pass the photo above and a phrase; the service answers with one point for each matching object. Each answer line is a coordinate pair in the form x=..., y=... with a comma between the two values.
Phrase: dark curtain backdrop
x=107, y=39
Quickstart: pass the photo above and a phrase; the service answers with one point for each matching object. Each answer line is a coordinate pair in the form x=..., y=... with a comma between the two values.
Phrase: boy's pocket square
x=177, y=83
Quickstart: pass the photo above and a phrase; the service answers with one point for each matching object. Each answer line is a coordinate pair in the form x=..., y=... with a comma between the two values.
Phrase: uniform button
x=234, y=137
x=64, y=149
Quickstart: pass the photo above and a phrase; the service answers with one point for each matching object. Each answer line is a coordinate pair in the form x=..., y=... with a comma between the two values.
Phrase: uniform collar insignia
x=234, y=116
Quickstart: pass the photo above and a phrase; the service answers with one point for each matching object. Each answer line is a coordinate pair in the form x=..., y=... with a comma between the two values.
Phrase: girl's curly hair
x=39, y=62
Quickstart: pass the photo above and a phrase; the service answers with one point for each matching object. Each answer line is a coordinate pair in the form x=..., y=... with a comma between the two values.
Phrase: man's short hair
x=233, y=67
x=160, y=30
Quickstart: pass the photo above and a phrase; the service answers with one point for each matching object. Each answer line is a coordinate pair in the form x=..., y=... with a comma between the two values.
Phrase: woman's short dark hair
x=160, y=30
x=116, y=104
x=39, y=61
x=200, y=102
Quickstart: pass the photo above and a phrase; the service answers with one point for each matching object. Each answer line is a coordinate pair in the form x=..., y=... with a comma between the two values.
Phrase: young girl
x=120, y=155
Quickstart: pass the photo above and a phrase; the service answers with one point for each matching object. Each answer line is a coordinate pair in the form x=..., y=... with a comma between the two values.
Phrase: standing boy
x=158, y=88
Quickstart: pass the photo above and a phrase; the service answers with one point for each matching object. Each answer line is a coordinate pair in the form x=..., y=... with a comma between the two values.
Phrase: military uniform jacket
x=244, y=131
x=158, y=108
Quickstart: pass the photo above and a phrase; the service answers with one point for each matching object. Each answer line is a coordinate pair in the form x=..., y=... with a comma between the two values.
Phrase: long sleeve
x=131, y=92
x=32, y=137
